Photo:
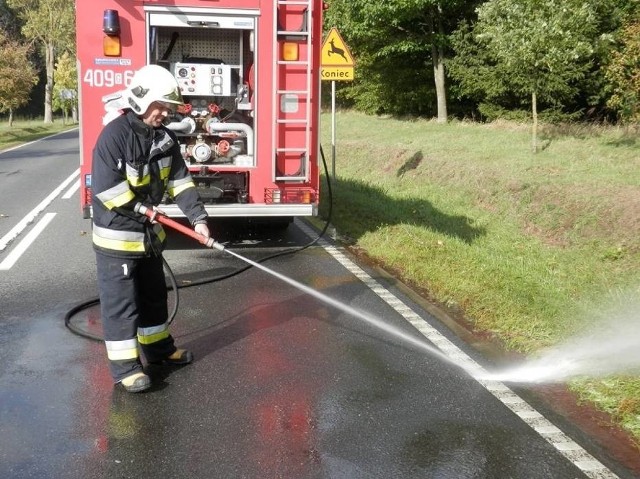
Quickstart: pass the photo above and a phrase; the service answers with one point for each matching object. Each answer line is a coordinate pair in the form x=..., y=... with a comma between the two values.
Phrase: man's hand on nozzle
x=202, y=229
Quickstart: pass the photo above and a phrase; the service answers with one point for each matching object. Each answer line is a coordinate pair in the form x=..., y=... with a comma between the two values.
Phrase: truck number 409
x=107, y=78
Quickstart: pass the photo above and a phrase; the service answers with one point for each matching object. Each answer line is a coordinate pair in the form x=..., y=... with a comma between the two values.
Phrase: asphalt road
x=285, y=384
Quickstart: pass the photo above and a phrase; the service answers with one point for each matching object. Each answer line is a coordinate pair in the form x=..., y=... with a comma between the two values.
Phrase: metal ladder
x=303, y=96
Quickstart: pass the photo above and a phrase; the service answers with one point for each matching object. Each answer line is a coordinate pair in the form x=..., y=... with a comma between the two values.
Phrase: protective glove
x=203, y=229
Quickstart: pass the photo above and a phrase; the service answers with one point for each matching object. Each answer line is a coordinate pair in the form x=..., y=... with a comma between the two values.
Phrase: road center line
x=572, y=451
x=15, y=254
x=33, y=214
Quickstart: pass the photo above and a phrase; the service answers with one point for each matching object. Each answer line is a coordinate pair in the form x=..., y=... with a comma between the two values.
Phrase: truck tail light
x=111, y=27
x=290, y=195
x=290, y=51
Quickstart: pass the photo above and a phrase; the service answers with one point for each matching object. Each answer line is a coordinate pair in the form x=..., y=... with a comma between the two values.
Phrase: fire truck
x=249, y=74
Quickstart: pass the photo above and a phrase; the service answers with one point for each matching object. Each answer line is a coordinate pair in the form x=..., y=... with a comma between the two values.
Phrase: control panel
x=197, y=79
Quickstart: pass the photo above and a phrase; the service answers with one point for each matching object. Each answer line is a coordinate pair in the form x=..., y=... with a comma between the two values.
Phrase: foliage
x=592, y=89
x=9, y=23
x=567, y=45
x=17, y=74
x=623, y=74
x=522, y=47
x=65, y=89
x=47, y=21
x=51, y=24
x=393, y=42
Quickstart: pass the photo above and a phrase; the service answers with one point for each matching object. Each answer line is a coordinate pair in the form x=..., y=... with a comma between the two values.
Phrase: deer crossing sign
x=337, y=62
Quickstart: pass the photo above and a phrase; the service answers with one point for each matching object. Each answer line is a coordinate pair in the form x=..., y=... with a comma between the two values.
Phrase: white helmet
x=152, y=83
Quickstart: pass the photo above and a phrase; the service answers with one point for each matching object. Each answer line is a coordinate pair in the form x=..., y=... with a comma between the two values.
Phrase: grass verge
x=24, y=131
x=528, y=248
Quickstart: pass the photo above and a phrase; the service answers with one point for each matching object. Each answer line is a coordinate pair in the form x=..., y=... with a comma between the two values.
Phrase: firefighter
x=137, y=160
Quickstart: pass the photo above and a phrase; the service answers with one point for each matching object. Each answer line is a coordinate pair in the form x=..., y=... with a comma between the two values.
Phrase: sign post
x=337, y=65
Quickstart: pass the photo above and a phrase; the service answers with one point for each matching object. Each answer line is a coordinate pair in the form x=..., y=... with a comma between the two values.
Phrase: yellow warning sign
x=337, y=62
x=335, y=52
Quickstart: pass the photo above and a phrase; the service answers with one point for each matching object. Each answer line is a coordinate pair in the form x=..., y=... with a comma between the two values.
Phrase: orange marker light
x=290, y=51
x=111, y=46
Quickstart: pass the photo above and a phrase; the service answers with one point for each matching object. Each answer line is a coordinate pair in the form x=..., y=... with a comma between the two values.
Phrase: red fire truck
x=249, y=72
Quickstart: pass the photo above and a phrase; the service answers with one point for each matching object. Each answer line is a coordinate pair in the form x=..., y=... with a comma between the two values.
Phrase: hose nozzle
x=214, y=245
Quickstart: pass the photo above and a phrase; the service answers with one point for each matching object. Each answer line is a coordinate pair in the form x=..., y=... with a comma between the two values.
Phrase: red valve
x=223, y=147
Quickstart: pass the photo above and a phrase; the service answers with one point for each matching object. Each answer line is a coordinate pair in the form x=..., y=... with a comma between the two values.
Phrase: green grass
x=23, y=131
x=526, y=247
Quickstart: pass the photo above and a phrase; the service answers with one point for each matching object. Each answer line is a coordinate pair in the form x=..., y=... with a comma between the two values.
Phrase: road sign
x=337, y=61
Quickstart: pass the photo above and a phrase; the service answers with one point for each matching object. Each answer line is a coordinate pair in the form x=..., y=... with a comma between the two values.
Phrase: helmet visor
x=173, y=96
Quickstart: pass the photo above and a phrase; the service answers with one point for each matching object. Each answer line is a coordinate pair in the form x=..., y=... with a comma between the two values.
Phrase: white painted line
x=573, y=452
x=71, y=190
x=32, y=215
x=16, y=252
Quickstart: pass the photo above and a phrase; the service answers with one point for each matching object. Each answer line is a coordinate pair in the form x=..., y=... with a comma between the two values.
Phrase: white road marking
x=572, y=451
x=21, y=247
x=71, y=190
x=33, y=214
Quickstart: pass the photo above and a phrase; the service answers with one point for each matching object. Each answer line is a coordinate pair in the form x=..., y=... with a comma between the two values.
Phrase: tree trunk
x=48, y=89
x=437, y=53
x=438, y=73
x=10, y=117
x=534, y=130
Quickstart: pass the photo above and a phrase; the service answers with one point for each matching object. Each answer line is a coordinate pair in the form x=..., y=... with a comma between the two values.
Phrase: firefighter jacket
x=135, y=163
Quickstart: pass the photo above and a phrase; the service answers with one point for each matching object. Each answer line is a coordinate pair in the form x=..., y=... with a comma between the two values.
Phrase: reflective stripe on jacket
x=135, y=163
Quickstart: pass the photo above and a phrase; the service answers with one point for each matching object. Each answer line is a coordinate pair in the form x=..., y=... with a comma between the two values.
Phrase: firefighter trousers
x=133, y=306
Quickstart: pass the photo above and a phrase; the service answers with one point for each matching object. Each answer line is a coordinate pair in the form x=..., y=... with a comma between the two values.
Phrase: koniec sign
x=337, y=62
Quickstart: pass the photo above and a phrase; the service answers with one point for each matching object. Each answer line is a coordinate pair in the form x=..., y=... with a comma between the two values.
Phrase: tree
x=65, y=88
x=400, y=47
x=9, y=23
x=623, y=74
x=51, y=24
x=534, y=48
x=17, y=75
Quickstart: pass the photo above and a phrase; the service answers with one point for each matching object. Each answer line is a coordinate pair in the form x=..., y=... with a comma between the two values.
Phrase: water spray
x=608, y=348
x=158, y=216
x=594, y=355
